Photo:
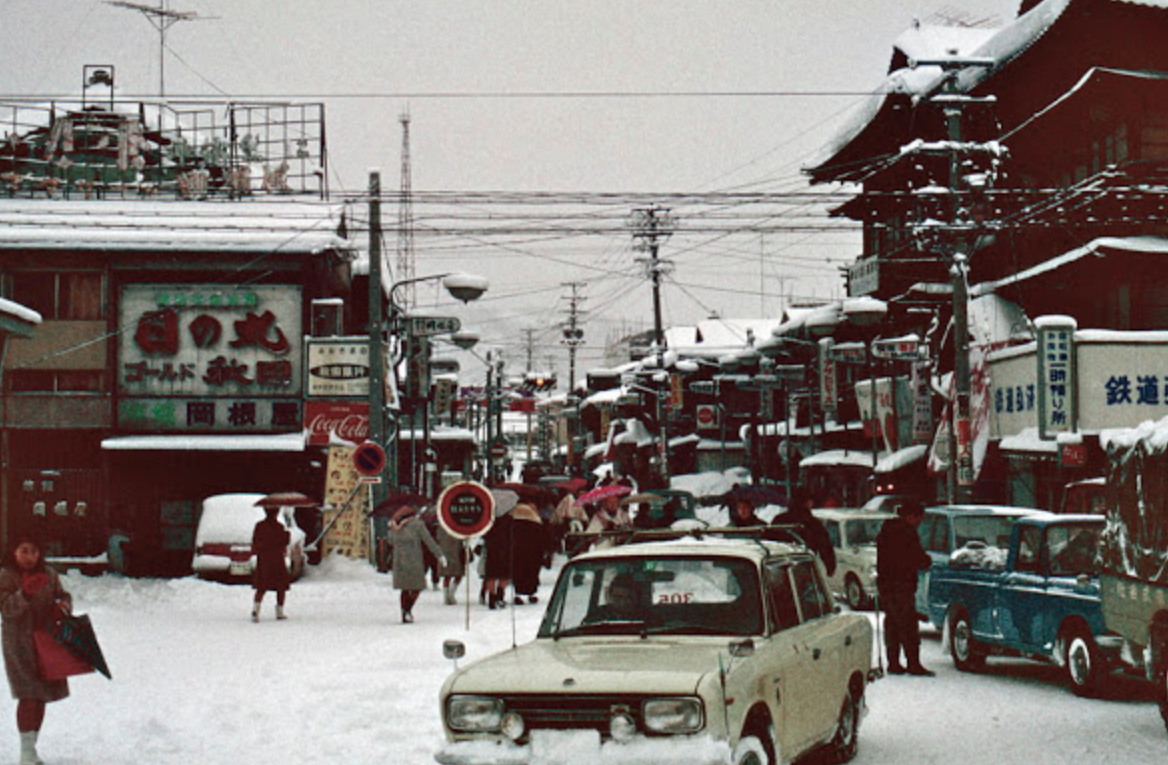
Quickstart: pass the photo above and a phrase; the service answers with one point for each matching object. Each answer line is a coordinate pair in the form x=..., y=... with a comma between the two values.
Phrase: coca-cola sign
x=349, y=420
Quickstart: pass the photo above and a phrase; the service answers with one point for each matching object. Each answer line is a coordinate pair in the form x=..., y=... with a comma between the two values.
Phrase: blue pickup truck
x=1039, y=599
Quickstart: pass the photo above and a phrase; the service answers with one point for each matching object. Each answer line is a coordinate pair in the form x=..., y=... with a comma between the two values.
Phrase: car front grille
x=574, y=712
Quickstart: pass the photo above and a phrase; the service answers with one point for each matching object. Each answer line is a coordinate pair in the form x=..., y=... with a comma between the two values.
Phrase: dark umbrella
x=286, y=499
x=537, y=495
x=572, y=484
x=390, y=505
x=75, y=632
x=602, y=492
x=756, y=495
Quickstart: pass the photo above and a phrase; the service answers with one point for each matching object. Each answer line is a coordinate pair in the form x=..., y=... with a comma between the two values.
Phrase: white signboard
x=337, y=367
x=1056, y=376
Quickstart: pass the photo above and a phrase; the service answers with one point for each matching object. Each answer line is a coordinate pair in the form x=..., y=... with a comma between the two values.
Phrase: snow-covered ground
x=344, y=681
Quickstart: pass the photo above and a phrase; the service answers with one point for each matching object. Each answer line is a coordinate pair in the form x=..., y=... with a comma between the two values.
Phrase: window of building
x=55, y=381
x=64, y=296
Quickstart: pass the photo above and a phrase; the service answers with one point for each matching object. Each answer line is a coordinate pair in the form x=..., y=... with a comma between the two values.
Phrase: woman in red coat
x=31, y=597
x=269, y=542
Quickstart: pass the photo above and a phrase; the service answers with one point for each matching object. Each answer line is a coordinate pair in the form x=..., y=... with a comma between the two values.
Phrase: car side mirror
x=453, y=649
x=742, y=649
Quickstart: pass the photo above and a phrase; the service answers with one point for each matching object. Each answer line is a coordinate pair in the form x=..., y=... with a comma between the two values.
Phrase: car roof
x=1065, y=519
x=987, y=510
x=849, y=514
x=704, y=546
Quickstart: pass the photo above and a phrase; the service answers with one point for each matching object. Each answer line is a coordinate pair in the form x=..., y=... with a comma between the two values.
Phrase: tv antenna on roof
x=163, y=19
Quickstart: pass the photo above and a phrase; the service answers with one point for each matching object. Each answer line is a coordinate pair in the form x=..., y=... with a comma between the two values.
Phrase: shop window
x=66, y=296
x=56, y=381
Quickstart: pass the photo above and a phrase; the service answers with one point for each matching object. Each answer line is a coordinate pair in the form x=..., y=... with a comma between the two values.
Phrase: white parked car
x=223, y=539
x=853, y=535
x=695, y=650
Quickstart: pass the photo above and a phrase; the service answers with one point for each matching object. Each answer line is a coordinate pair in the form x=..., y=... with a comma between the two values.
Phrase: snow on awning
x=901, y=458
x=838, y=458
x=1028, y=442
x=1101, y=247
x=281, y=442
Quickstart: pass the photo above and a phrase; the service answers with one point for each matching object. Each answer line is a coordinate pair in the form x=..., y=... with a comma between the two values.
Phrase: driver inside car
x=624, y=600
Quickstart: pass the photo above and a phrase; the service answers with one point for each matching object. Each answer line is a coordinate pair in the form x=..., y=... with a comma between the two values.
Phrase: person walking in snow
x=31, y=597
x=530, y=547
x=809, y=528
x=409, y=533
x=457, y=556
x=269, y=541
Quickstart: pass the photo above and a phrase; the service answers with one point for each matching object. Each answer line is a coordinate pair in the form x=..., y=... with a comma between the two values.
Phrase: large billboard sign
x=210, y=357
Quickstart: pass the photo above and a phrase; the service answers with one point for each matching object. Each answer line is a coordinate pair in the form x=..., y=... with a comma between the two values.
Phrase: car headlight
x=474, y=713
x=672, y=715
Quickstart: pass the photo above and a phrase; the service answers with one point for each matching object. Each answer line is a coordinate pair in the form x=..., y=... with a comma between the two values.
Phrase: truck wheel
x=854, y=594
x=1083, y=661
x=968, y=656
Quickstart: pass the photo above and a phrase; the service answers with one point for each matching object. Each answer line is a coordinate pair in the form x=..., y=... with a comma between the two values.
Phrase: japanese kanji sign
x=210, y=357
x=1056, y=376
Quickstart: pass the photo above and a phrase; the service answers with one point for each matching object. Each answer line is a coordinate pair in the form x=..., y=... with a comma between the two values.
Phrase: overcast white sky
x=598, y=96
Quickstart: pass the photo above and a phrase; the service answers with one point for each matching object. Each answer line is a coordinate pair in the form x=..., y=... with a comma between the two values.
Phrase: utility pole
x=651, y=225
x=573, y=332
x=405, y=220
x=377, y=371
x=953, y=102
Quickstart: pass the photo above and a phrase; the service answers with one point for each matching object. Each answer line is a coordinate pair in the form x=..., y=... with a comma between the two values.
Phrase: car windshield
x=644, y=596
x=990, y=530
x=862, y=532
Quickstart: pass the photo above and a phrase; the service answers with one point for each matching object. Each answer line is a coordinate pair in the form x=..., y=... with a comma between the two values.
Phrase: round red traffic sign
x=466, y=509
x=498, y=451
x=706, y=415
x=369, y=458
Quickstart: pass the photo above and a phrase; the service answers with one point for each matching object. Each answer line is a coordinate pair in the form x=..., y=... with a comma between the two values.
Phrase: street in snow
x=344, y=681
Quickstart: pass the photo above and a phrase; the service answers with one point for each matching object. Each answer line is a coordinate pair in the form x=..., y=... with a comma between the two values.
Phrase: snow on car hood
x=592, y=665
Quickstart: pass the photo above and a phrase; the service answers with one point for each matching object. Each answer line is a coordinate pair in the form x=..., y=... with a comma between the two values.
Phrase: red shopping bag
x=57, y=662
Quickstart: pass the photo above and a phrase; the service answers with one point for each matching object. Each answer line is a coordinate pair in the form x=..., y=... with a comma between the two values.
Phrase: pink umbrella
x=601, y=493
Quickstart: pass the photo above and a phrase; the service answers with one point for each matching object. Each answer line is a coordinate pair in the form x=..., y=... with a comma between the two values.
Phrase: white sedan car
x=697, y=650
x=223, y=539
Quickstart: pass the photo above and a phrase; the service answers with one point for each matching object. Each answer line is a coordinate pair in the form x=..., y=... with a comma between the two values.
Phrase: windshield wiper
x=606, y=627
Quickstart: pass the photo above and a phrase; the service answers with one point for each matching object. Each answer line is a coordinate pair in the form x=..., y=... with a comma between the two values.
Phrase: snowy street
x=343, y=680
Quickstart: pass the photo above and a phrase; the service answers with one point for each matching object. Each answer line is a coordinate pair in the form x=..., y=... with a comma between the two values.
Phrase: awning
x=281, y=442
x=1028, y=442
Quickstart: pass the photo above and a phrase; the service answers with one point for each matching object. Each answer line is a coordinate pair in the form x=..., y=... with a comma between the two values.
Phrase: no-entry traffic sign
x=466, y=509
x=369, y=458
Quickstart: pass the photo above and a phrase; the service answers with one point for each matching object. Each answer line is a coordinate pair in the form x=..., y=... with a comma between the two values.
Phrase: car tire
x=1083, y=661
x=751, y=751
x=854, y=593
x=844, y=743
x=968, y=656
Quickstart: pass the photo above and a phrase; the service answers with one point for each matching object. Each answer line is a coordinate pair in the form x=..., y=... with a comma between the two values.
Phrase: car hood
x=590, y=665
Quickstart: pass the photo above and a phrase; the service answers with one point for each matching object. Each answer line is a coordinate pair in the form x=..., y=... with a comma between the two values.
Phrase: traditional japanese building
x=1039, y=151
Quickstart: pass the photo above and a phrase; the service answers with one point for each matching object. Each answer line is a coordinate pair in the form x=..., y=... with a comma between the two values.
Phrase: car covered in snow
x=223, y=538
x=853, y=535
x=701, y=649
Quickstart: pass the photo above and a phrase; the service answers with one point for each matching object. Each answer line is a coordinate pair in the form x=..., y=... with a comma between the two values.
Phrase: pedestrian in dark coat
x=530, y=546
x=497, y=568
x=809, y=528
x=31, y=597
x=269, y=542
x=457, y=557
x=899, y=559
x=409, y=533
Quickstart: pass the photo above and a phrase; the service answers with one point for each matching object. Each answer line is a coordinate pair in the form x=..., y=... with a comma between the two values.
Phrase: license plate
x=555, y=745
x=240, y=569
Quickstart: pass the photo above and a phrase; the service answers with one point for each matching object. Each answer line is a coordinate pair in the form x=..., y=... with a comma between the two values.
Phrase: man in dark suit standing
x=899, y=559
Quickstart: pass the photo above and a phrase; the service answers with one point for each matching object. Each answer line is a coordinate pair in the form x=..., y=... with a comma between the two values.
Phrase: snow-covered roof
x=281, y=442
x=1028, y=441
x=211, y=226
x=901, y=458
x=18, y=311
x=838, y=457
x=1149, y=245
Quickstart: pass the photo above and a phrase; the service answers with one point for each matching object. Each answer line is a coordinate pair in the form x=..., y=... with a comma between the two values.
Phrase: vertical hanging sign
x=827, y=379
x=1057, y=407
x=922, y=419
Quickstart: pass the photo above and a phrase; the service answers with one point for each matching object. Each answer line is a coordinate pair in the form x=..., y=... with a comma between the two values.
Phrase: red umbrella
x=572, y=484
x=390, y=505
x=286, y=499
x=602, y=492
x=538, y=495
